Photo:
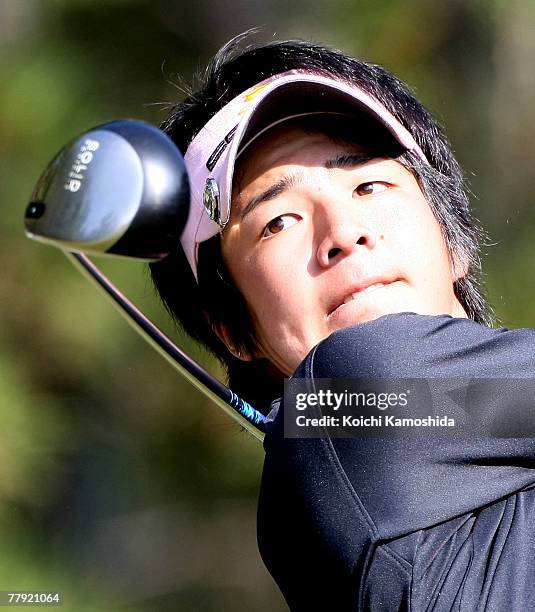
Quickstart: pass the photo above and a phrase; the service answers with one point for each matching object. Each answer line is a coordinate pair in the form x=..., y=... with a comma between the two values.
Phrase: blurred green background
x=119, y=484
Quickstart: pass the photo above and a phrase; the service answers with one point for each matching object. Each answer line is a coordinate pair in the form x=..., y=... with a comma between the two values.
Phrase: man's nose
x=342, y=234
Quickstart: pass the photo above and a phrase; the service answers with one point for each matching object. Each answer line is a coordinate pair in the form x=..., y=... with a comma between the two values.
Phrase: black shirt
x=422, y=524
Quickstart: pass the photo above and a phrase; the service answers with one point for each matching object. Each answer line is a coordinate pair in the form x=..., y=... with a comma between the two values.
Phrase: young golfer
x=329, y=236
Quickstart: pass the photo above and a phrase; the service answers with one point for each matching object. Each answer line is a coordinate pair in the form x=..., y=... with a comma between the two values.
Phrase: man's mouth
x=353, y=296
x=358, y=293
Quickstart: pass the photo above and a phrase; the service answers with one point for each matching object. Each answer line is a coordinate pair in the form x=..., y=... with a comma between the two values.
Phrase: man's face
x=320, y=239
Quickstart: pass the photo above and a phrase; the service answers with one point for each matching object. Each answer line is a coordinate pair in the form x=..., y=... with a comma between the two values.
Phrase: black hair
x=215, y=299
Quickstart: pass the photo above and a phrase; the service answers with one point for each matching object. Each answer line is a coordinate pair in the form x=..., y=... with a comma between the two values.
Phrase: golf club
x=121, y=189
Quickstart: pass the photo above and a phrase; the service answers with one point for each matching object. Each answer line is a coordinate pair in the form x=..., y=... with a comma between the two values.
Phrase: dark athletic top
x=422, y=524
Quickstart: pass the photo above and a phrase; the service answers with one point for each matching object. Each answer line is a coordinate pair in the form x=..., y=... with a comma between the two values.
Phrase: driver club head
x=118, y=189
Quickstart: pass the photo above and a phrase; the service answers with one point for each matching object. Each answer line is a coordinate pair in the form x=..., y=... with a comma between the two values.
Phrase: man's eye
x=278, y=224
x=373, y=187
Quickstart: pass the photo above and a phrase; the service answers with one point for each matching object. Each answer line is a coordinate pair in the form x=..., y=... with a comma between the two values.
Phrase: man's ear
x=459, y=267
x=222, y=332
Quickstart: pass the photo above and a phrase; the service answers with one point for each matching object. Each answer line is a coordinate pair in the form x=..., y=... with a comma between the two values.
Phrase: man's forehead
x=296, y=145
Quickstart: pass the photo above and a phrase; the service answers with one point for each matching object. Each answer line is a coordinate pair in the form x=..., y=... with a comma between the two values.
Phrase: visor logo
x=252, y=95
x=218, y=151
x=211, y=200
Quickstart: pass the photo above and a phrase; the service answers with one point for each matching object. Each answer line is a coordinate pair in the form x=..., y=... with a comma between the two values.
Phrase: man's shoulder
x=410, y=345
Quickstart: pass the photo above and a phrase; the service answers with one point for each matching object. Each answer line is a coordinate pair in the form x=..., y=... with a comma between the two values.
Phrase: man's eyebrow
x=279, y=187
x=340, y=162
x=349, y=161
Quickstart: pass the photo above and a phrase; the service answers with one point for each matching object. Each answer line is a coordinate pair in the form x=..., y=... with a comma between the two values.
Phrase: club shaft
x=247, y=416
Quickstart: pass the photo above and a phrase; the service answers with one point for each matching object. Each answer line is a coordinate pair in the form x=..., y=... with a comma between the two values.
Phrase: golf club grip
x=242, y=412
